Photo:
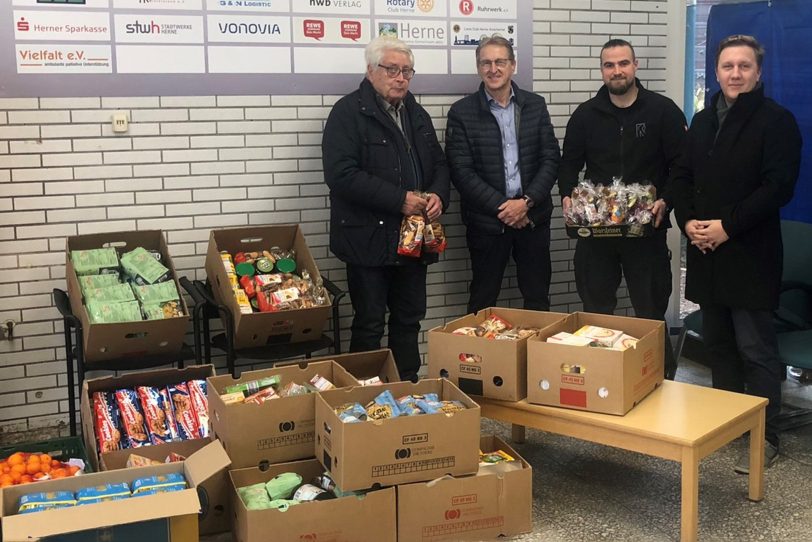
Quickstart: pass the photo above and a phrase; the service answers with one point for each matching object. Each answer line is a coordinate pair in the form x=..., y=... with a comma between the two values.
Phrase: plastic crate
x=62, y=448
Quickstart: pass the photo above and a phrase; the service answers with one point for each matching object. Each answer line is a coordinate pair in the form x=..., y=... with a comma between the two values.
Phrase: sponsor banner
x=331, y=30
x=329, y=60
x=160, y=59
x=62, y=3
x=333, y=7
x=158, y=29
x=248, y=29
x=484, y=9
x=158, y=4
x=61, y=26
x=237, y=59
x=269, y=6
x=414, y=32
x=470, y=32
x=60, y=58
x=412, y=8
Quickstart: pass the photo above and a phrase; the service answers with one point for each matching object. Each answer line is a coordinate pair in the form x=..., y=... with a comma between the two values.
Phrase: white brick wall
x=189, y=164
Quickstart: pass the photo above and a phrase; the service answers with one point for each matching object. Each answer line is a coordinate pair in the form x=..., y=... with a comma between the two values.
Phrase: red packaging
x=160, y=423
x=184, y=413
x=132, y=418
x=200, y=404
x=411, y=236
x=106, y=422
x=265, y=302
x=247, y=284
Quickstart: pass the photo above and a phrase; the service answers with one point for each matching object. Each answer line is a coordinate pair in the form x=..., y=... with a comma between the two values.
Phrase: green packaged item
x=283, y=504
x=116, y=293
x=252, y=386
x=142, y=268
x=110, y=313
x=156, y=293
x=94, y=261
x=97, y=281
x=283, y=485
x=255, y=497
x=286, y=265
x=161, y=311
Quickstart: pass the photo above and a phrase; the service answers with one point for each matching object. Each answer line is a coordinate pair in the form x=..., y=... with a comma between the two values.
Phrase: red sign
x=22, y=25
x=313, y=28
x=466, y=7
x=351, y=30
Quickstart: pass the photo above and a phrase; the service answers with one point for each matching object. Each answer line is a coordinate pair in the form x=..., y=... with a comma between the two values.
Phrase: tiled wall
x=190, y=164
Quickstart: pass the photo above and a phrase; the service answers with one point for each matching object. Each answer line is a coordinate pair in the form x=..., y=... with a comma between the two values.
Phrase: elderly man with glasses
x=504, y=160
x=381, y=157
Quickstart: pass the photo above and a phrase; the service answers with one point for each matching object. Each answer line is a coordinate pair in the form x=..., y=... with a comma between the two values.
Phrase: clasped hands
x=513, y=213
x=706, y=235
x=415, y=205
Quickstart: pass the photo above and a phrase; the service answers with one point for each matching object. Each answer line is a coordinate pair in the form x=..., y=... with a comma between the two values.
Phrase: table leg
x=756, y=476
x=517, y=433
x=689, y=521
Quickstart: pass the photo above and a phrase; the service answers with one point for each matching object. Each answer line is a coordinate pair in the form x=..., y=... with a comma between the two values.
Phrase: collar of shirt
x=393, y=110
x=492, y=101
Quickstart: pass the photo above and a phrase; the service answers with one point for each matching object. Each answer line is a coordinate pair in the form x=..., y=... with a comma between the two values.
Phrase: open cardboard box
x=275, y=431
x=103, y=342
x=366, y=365
x=215, y=501
x=347, y=519
x=163, y=517
x=591, y=378
x=496, y=501
x=264, y=328
x=398, y=450
x=496, y=369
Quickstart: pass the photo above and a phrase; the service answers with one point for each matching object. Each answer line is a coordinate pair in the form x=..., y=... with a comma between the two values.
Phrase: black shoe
x=770, y=455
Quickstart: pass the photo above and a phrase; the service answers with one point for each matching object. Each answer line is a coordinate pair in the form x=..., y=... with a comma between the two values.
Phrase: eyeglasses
x=393, y=71
x=499, y=62
x=739, y=37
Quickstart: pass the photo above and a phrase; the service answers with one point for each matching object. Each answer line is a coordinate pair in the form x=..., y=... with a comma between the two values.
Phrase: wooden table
x=677, y=421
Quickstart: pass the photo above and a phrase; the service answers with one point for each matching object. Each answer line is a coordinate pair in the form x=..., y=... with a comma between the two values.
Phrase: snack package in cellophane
x=411, y=236
x=434, y=238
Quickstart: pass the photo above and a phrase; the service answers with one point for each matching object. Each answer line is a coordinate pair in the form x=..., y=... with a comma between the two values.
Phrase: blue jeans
x=744, y=355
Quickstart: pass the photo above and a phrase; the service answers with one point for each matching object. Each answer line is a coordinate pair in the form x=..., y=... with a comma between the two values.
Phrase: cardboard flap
x=26, y=527
x=206, y=462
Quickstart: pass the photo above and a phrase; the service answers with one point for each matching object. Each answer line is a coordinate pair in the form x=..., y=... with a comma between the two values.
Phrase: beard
x=619, y=87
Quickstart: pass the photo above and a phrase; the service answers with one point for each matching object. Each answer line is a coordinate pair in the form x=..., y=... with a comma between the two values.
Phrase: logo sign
x=572, y=379
x=245, y=29
x=313, y=28
x=158, y=29
x=415, y=32
x=488, y=9
x=421, y=8
x=158, y=4
x=454, y=513
x=61, y=26
x=416, y=438
x=268, y=6
x=471, y=369
x=351, y=30
x=466, y=7
x=464, y=499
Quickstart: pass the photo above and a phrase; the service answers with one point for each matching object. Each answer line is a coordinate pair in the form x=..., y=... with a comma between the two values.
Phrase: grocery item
x=95, y=261
x=185, y=417
x=163, y=482
x=132, y=418
x=600, y=336
x=611, y=205
x=142, y=268
x=35, y=502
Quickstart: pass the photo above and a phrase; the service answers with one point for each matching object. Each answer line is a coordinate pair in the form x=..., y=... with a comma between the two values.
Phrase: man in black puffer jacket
x=634, y=134
x=504, y=160
x=379, y=148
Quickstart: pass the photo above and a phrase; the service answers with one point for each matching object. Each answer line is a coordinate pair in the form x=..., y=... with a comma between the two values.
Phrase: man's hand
x=434, y=208
x=521, y=223
x=706, y=234
x=512, y=212
x=658, y=210
x=413, y=204
x=566, y=203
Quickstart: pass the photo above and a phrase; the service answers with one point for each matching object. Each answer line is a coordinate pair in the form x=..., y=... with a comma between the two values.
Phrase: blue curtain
x=784, y=28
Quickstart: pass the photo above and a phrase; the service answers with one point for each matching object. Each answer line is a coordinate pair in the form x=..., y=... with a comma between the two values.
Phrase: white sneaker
x=770, y=455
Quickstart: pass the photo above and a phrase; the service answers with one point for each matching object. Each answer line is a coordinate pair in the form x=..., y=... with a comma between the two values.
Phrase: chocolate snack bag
x=159, y=425
x=184, y=411
x=107, y=423
x=132, y=418
x=200, y=404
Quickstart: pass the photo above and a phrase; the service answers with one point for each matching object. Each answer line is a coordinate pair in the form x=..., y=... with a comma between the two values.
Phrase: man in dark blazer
x=739, y=169
x=381, y=156
x=504, y=160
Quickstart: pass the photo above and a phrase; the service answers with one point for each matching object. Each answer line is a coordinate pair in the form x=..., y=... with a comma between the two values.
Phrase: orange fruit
x=45, y=458
x=58, y=473
x=39, y=476
x=32, y=468
x=26, y=479
x=19, y=468
x=16, y=459
x=6, y=478
x=6, y=468
x=15, y=476
x=45, y=467
x=55, y=464
x=6, y=484
x=72, y=470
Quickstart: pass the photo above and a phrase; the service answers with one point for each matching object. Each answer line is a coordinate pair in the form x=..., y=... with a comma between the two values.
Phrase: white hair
x=380, y=45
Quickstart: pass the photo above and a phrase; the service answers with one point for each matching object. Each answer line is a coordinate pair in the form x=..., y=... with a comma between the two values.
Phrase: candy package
x=132, y=418
x=611, y=205
x=492, y=326
x=411, y=236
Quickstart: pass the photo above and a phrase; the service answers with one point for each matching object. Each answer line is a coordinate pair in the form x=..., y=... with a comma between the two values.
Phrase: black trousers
x=743, y=349
x=401, y=288
x=489, y=257
x=645, y=262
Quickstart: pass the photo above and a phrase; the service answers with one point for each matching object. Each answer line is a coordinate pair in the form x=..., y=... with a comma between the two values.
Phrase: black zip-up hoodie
x=640, y=144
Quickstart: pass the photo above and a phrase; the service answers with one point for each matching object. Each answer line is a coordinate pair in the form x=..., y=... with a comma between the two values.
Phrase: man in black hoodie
x=636, y=135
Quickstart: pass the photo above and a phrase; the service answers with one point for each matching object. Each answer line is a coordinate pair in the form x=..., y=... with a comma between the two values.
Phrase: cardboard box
x=486, y=367
x=366, y=365
x=164, y=517
x=348, y=519
x=215, y=514
x=263, y=328
x=399, y=450
x=275, y=431
x=104, y=342
x=496, y=501
x=591, y=378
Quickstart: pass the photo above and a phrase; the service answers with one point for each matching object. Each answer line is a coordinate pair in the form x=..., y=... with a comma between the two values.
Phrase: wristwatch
x=528, y=200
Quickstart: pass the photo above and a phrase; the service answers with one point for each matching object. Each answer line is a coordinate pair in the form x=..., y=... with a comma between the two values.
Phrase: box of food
x=398, y=450
x=369, y=516
x=495, y=502
x=275, y=430
x=613, y=210
x=261, y=250
x=486, y=353
x=372, y=367
x=156, y=515
x=162, y=334
x=177, y=420
x=600, y=378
